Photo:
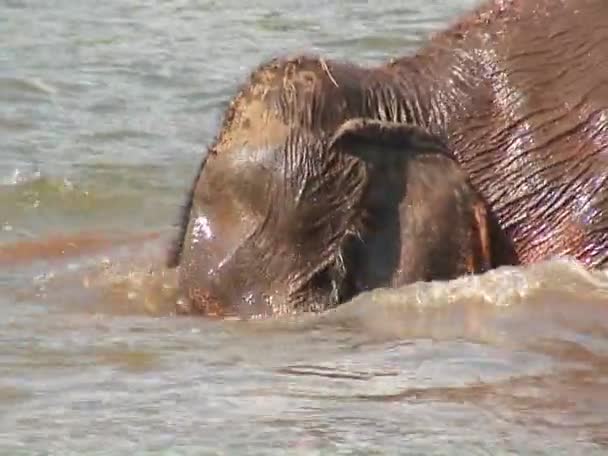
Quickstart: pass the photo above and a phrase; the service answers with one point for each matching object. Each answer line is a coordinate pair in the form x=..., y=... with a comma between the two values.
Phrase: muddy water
x=105, y=109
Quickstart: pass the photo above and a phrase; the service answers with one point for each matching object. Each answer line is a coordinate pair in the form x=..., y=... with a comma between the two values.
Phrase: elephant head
x=302, y=202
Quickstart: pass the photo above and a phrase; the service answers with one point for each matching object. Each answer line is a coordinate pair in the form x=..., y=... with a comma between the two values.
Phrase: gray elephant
x=487, y=147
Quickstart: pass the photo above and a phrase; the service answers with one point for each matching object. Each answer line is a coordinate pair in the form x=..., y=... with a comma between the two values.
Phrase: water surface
x=105, y=111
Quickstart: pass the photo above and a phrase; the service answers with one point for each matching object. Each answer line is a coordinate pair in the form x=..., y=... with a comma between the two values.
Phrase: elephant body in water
x=489, y=146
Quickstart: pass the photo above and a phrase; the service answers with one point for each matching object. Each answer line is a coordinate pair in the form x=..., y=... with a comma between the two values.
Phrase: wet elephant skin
x=493, y=136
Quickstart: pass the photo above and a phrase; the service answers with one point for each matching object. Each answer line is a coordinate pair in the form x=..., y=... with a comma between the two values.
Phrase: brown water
x=105, y=111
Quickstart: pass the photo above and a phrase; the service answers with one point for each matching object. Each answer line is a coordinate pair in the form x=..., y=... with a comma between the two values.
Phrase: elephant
x=407, y=190
x=488, y=146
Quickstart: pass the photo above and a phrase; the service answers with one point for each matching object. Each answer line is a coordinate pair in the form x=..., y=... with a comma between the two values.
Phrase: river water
x=105, y=112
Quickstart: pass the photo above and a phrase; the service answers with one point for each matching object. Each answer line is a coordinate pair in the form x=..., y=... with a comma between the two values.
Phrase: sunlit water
x=105, y=111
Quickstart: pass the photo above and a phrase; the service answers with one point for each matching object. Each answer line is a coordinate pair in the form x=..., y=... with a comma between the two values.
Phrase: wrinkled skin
x=487, y=147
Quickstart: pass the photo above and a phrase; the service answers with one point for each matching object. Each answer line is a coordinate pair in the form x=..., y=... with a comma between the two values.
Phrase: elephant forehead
x=254, y=124
x=292, y=96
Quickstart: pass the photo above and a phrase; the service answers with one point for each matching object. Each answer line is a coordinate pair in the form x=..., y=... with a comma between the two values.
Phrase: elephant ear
x=443, y=221
x=355, y=134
